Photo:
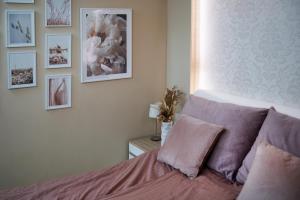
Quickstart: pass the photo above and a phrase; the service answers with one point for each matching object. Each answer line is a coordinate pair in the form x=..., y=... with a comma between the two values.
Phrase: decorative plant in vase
x=167, y=110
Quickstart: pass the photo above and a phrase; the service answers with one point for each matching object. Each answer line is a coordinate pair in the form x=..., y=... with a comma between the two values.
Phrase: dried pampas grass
x=167, y=109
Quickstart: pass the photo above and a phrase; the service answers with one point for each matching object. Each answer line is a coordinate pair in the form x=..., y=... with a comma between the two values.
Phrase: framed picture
x=19, y=1
x=106, y=44
x=58, y=91
x=58, y=13
x=20, y=28
x=21, y=69
x=58, y=50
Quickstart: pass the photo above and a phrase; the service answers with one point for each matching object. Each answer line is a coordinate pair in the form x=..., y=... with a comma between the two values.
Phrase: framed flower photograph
x=58, y=13
x=106, y=44
x=21, y=69
x=20, y=28
x=58, y=91
x=19, y=1
x=58, y=50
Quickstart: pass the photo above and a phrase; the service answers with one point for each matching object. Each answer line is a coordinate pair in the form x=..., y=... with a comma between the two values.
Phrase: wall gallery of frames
x=106, y=47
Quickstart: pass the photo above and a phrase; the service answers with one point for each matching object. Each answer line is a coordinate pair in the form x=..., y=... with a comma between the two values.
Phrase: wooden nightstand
x=142, y=145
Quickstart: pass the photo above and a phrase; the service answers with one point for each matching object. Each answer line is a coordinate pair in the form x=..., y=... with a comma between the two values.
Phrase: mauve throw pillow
x=241, y=126
x=188, y=144
x=274, y=175
x=280, y=130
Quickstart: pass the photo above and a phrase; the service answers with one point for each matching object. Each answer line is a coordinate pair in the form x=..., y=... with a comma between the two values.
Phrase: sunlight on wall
x=203, y=82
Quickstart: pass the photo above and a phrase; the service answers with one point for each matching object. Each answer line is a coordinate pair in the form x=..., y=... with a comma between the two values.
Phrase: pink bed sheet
x=141, y=178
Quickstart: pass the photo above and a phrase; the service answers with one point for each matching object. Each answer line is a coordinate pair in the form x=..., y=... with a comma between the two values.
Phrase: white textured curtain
x=249, y=48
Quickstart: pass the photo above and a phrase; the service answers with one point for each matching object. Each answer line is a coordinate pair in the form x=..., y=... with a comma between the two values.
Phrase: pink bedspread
x=139, y=178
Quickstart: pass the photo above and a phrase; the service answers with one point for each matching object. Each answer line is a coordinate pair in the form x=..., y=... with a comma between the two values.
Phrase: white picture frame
x=58, y=50
x=58, y=91
x=58, y=13
x=98, y=61
x=18, y=1
x=21, y=71
x=20, y=28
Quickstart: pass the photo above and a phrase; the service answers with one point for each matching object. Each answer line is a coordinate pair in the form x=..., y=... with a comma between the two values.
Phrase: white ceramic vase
x=165, y=129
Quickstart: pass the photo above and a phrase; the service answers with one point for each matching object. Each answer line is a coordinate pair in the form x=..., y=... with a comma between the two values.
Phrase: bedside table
x=141, y=145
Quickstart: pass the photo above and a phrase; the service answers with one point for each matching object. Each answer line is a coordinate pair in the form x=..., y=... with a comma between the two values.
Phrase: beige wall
x=178, y=43
x=36, y=145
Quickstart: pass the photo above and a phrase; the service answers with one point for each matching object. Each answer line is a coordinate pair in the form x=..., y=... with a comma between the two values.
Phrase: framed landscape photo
x=106, y=44
x=19, y=1
x=58, y=13
x=58, y=50
x=20, y=28
x=21, y=69
x=58, y=91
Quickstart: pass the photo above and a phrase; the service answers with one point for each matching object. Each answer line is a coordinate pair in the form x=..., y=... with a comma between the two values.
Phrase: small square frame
x=19, y=1
x=9, y=69
x=63, y=25
x=69, y=58
x=7, y=24
x=68, y=78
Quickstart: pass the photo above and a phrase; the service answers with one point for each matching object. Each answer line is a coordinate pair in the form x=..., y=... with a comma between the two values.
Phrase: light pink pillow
x=274, y=175
x=188, y=144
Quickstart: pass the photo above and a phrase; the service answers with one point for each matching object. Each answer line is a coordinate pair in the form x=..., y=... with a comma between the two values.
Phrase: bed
x=139, y=178
x=143, y=177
